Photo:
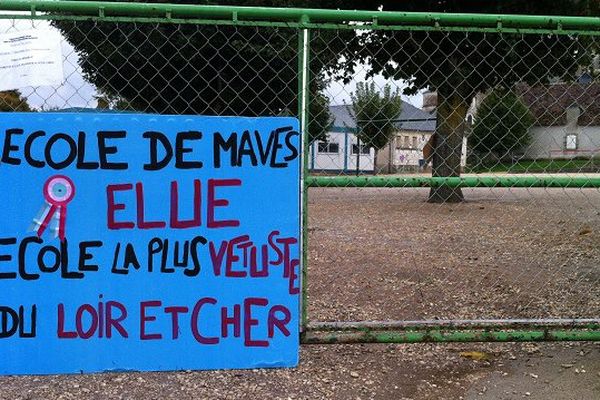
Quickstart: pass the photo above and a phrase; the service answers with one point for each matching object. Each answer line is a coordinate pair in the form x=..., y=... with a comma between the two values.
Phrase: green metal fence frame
x=305, y=20
x=301, y=18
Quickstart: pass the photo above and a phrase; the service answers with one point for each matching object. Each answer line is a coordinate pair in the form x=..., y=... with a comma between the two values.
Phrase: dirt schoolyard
x=379, y=254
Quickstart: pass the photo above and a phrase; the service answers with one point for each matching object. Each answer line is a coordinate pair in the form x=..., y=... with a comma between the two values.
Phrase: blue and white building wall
x=338, y=154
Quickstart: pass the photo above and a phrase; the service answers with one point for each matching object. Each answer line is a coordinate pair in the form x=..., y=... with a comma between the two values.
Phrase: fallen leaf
x=476, y=355
x=585, y=231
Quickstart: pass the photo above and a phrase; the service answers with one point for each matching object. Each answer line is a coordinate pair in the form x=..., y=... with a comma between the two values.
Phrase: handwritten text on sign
x=146, y=242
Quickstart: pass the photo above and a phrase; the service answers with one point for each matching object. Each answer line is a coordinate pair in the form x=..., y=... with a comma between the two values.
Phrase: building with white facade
x=567, y=120
x=341, y=152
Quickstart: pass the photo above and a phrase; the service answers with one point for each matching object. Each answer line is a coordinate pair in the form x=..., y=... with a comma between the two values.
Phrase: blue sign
x=148, y=242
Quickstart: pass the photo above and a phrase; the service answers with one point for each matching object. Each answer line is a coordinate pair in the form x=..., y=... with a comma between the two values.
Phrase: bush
x=11, y=100
x=502, y=125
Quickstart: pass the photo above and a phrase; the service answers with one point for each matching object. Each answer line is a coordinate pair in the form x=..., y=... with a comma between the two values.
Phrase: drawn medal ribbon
x=58, y=191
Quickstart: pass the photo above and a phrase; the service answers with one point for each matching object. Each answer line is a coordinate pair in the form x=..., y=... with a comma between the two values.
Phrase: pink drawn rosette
x=58, y=191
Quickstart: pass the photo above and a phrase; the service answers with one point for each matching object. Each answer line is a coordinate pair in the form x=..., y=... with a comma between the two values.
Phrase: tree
x=11, y=100
x=205, y=69
x=375, y=114
x=320, y=117
x=502, y=125
x=459, y=65
x=200, y=69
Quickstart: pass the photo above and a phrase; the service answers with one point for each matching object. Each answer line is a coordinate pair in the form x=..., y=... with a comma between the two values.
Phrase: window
x=328, y=147
x=414, y=142
x=363, y=149
x=571, y=142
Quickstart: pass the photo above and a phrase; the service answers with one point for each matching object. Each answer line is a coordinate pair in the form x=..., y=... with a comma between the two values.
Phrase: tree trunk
x=390, y=153
x=451, y=114
x=357, y=156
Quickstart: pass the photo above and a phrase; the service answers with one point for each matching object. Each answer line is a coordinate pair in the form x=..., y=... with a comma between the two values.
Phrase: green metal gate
x=515, y=117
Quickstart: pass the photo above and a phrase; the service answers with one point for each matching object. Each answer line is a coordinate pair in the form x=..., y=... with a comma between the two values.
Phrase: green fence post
x=303, y=111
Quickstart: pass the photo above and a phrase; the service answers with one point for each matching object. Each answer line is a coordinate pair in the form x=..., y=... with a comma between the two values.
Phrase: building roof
x=549, y=103
x=411, y=118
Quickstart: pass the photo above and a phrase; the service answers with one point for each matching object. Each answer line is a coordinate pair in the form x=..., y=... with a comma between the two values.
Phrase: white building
x=404, y=153
x=340, y=153
x=567, y=120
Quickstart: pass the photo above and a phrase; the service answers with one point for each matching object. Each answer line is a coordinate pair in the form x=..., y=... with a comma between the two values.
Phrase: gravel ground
x=506, y=253
x=386, y=254
x=563, y=372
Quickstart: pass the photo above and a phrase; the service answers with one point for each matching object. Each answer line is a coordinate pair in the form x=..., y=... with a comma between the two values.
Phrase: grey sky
x=340, y=93
x=74, y=92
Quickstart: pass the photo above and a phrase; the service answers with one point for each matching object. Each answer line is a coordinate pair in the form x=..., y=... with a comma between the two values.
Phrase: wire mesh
x=389, y=105
x=513, y=108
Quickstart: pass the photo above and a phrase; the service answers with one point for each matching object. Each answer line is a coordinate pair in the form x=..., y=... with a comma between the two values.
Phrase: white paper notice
x=30, y=58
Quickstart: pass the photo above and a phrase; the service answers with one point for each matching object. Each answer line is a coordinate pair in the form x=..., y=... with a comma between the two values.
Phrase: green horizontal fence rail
x=453, y=331
x=297, y=17
x=364, y=331
x=466, y=182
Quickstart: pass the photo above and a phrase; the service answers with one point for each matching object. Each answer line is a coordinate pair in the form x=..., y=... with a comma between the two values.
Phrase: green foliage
x=11, y=100
x=198, y=69
x=202, y=69
x=456, y=64
x=502, y=124
x=459, y=65
x=375, y=113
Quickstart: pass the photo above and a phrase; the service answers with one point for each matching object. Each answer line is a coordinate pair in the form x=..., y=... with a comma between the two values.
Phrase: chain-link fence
x=451, y=163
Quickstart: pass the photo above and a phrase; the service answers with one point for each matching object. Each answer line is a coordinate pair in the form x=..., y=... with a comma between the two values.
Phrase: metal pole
x=165, y=10
x=469, y=181
x=353, y=326
x=441, y=336
x=303, y=114
x=523, y=330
